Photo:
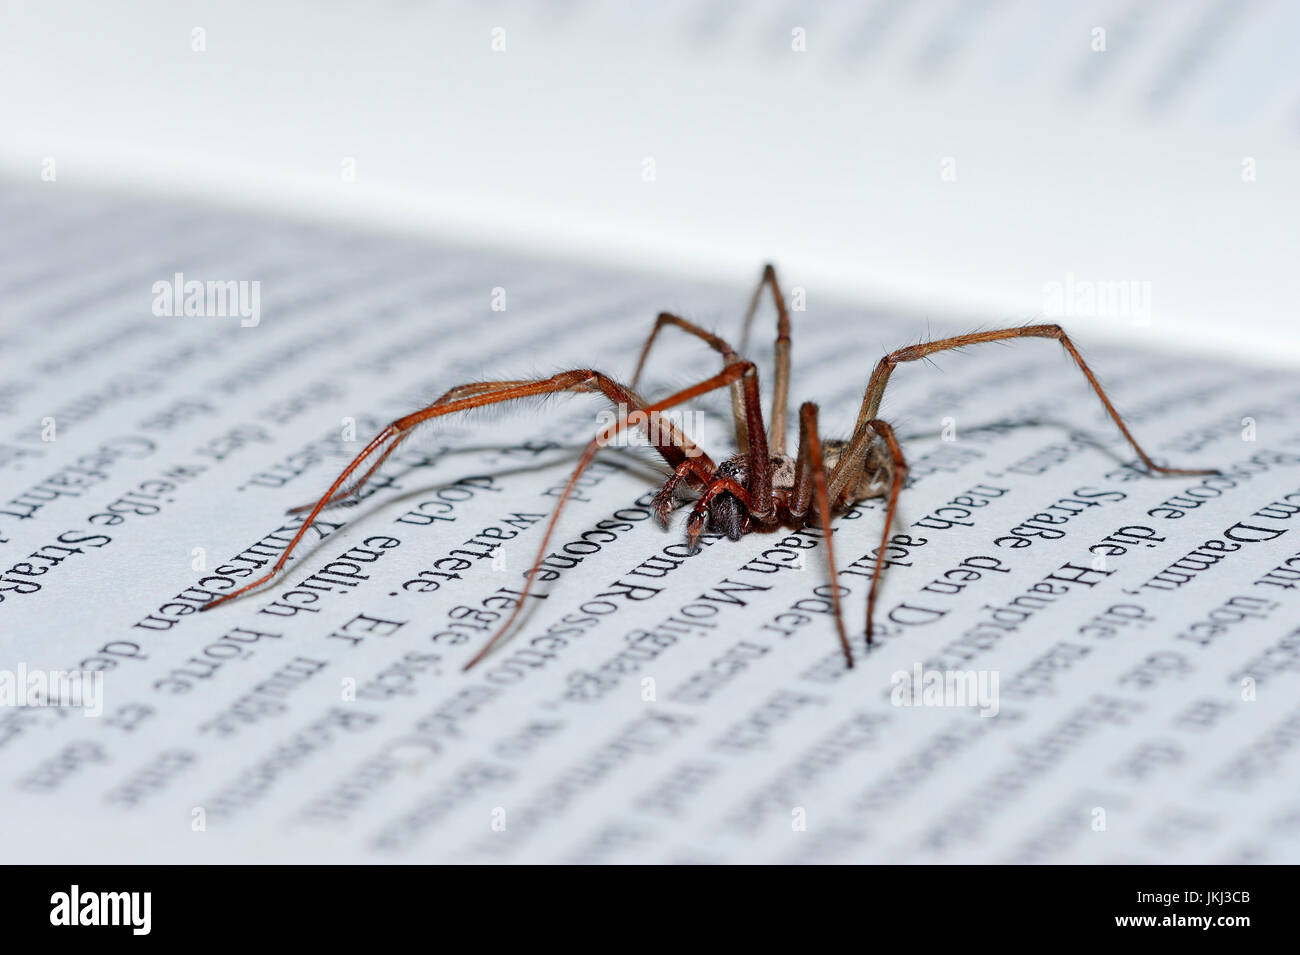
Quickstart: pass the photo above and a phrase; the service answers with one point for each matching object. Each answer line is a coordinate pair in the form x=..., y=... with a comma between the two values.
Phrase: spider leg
x=715, y=342
x=761, y=506
x=801, y=494
x=845, y=476
x=663, y=499
x=356, y=486
x=704, y=469
x=781, y=376
x=899, y=469
x=810, y=482
x=880, y=377
x=781, y=380
x=674, y=451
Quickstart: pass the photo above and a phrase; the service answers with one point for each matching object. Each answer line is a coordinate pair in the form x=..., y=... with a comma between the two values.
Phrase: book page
x=1073, y=660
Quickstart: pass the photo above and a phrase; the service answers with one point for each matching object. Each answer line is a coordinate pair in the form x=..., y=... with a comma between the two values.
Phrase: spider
x=761, y=487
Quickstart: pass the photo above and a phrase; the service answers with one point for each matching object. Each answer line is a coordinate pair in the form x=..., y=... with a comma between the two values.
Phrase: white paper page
x=712, y=719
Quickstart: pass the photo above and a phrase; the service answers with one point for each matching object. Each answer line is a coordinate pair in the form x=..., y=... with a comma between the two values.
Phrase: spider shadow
x=1076, y=434
x=555, y=457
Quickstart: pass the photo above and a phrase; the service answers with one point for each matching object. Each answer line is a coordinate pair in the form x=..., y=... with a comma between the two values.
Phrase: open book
x=1074, y=660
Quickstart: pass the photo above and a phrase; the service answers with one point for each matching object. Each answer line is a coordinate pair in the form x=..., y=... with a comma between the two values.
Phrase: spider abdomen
x=876, y=474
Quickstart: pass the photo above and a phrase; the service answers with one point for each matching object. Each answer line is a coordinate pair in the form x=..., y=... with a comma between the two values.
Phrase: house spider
x=761, y=487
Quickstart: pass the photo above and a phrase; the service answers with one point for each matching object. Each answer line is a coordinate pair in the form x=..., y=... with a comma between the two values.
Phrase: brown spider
x=761, y=486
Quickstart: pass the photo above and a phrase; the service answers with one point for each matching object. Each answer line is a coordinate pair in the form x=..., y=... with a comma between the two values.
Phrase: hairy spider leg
x=475, y=388
x=781, y=354
x=781, y=381
x=810, y=474
x=880, y=377
x=578, y=380
x=699, y=462
x=851, y=463
x=719, y=345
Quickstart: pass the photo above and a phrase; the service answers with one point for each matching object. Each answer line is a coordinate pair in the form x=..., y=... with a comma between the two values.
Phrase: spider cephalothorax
x=728, y=513
x=759, y=488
